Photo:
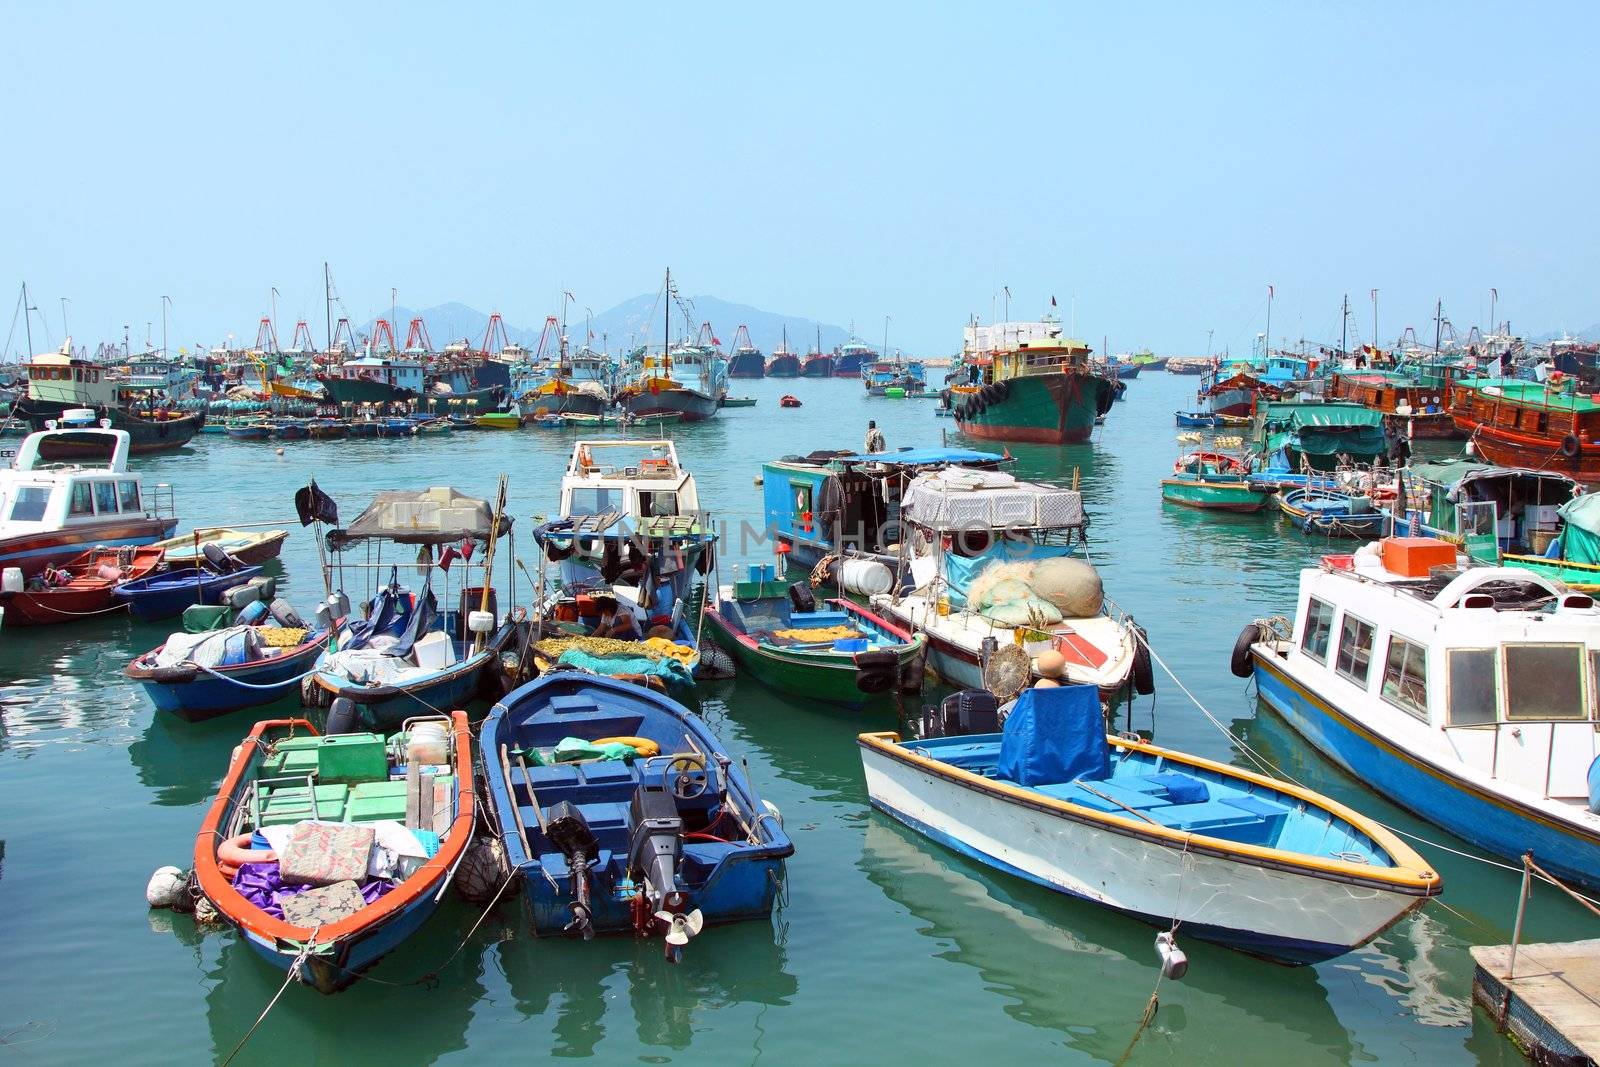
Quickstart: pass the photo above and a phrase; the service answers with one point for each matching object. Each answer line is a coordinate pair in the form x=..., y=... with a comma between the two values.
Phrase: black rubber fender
x=1240, y=663
x=1002, y=388
x=1570, y=445
x=876, y=681
x=1144, y=675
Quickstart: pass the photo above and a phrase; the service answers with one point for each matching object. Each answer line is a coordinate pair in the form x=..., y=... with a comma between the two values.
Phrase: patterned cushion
x=321, y=853
x=324, y=906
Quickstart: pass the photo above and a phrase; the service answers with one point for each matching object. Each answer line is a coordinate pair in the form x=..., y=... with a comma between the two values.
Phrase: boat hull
x=817, y=367
x=829, y=677
x=747, y=365
x=165, y=596
x=1197, y=419
x=1049, y=409
x=1495, y=824
x=1214, y=496
x=195, y=696
x=783, y=367
x=144, y=435
x=1506, y=449
x=1282, y=915
x=691, y=404
x=338, y=390
x=33, y=552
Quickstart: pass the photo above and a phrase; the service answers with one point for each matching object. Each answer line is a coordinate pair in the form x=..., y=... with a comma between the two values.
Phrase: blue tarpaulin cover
x=1054, y=736
x=960, y=571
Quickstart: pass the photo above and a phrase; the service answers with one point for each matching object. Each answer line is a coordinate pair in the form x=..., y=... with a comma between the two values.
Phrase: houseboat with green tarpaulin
x=1318, y=435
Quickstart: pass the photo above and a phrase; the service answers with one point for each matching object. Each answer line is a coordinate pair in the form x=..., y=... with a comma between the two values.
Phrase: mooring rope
x=294, y=972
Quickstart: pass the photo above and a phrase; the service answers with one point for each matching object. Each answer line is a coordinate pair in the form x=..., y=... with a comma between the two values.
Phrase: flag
x=1269, y=292
x=1495, y=293
x=313, y=505
x=1007, y=288
x=716, y=341
x=1052, y=301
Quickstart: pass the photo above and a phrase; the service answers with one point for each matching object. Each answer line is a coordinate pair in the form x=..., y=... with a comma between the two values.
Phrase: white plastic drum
x=865, y=577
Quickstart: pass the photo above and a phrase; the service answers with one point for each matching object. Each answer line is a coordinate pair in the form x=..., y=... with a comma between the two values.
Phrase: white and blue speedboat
x=1466, y=694
x=1228, y=856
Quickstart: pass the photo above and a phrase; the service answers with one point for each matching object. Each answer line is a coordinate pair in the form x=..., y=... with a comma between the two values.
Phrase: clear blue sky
x=1163, y=163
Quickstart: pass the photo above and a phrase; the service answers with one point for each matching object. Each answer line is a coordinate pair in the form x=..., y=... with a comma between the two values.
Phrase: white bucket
x=865, y=577
x=11, y=579
x=429, y=743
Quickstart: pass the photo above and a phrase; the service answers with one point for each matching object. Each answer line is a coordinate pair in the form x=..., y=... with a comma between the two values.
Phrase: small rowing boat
x=80, y=588
x=161, y=596
x=1213, y=481
x=246, y=546
x=325, y=853
x=1181, y=842
x=244, y=667
x=1333, y=514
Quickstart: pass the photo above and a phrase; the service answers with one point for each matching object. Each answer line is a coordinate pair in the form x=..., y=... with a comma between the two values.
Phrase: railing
x=162, y=502
x=1529, y=869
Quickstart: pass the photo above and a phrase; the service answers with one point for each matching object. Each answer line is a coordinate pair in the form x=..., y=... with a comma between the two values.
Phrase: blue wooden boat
x=161, y=596
x=251, y=431
x=1197, y=419
x=291, y=429
x=363, y=428
x=1333, y=514
x=364, y=781
x=624, y=813
x=194, y=694
x=396, y=426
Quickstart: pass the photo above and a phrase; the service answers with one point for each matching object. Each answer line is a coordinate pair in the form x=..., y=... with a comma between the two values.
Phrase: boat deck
x=1551, y=1004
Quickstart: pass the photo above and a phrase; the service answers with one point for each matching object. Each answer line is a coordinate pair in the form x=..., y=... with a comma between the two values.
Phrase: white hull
x=1291, y=916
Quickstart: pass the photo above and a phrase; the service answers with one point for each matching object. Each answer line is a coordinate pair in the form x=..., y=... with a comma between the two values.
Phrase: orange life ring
x=236, y=851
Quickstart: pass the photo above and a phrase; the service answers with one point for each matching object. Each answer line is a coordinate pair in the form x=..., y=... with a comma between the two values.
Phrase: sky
x=1153, y=167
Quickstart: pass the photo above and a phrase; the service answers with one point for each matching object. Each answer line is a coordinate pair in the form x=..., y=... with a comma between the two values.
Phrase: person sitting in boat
x=875, y=442
x=614, y=621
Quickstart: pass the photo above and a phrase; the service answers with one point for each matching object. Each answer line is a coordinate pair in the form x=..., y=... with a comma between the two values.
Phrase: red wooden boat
x=82, y=587
x=1546, y=426
x=789, y=401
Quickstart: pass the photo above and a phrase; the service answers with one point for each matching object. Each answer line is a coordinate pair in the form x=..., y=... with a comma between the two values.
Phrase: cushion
x=324, y=906
x=321, y=853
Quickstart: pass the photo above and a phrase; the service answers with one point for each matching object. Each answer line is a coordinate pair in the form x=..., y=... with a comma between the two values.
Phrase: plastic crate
x=352, y=758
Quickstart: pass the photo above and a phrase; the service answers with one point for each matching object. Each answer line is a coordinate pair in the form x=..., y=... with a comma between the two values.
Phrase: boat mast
x=1344, y=327
x=666, y=327
x=327, y=302
x=27, y=322
x=1266, y=344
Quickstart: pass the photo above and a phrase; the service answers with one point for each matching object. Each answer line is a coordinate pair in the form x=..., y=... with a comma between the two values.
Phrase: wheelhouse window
x=1544, y=682
x=595, y=501
x=1355, y=650
x=129, y=492
x=1405, y=677
x=30, y=503
x=105, y=497
x=1319, y=626
x=658, y=504
x=82, y=499
x=1472, y=690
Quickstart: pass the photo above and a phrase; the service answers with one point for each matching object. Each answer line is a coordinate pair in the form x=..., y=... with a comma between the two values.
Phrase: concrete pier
x=1550, y=1004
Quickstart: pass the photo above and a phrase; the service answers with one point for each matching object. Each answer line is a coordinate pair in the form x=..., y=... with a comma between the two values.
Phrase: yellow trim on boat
x=1409, y=870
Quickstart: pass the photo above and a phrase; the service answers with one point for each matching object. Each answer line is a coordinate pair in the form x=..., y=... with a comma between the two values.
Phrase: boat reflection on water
x=390, y=1019
x=177, y=761
x=1023, y=940
x=574, y=986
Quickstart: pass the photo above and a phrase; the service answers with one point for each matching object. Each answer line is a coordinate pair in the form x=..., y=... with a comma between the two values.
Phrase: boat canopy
x=436, y=516
x=960, y=498
x=1580, y=541
x=1462, y=476
x=1526, y=393
x=923, y=457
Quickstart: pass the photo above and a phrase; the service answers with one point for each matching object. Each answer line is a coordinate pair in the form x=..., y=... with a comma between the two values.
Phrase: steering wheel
x=686, y=777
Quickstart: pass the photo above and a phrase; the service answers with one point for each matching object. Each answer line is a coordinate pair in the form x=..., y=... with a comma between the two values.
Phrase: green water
x=889, y=946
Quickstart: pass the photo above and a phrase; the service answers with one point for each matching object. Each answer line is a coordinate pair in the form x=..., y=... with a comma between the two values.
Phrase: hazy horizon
x=1154, y=172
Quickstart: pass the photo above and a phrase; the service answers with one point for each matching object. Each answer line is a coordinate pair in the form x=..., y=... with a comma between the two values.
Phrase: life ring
x=1570, y=445
x=642, y=745
x=1240, y=663
x=236, y=851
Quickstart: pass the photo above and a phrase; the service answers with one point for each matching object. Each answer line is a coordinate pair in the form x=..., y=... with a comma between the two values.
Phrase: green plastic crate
x=286, y=804
x=200, y=618
x=352, y=758
x=371, y=801
x=759, y=590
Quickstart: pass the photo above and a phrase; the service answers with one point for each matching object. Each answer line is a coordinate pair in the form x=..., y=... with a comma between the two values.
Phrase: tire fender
x=1240, y=662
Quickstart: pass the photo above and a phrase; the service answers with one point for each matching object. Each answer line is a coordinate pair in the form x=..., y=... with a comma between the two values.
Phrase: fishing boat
x=500, y=420
x=993, y=565
x=295, y=805
x=406, y=656
x=860, y=495
x=1317, y=435
x=1213, y=481
x=163, y=595
x=850, y=358
x=1496, y=514
x=1463, y=693
x=1546, y=425
x=80, y=589
x=254, y=430
x=1031, y=385
x=51, y=513
x=688, y=380
x=842, y=654
x=69, y=392
x=746, y=360
x=788, y=400
x=1197, y=419
x=817, y=363
x=1333, y=513
x=1288, y=874
x=624, y=813
x=634, y=487
x=784, y=363
x=290, y=429
x=1416, y=398
x=1573, y=556
x=324, y=429
x=738, y=401
x=893, y=377
x=201, y=676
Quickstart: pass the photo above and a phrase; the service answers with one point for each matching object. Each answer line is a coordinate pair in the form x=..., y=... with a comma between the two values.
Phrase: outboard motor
x=220, y=560
x=800, y=596
x=971, y=711
x=569, y=831
x=342, y=717
x=653, y=858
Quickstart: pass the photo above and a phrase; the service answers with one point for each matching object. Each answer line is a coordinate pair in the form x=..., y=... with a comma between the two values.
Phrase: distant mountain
x=632, y=322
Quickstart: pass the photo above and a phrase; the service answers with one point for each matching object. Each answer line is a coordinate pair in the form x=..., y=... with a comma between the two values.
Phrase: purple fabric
x=259, y=884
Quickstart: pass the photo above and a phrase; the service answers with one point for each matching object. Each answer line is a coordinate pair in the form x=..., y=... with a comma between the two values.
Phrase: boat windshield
x=595, y=501
x=30, y=503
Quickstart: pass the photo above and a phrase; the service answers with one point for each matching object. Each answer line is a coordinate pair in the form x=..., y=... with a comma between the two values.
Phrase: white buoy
x=280, y=451
x=11, y=579
x=166, y=888
x=1174, y=964
x=480, y=622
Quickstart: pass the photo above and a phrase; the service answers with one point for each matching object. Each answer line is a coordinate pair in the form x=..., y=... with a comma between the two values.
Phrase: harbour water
x=888, y=945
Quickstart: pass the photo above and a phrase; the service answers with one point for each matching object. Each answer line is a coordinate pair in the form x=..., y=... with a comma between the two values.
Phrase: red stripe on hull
x=1041, y=435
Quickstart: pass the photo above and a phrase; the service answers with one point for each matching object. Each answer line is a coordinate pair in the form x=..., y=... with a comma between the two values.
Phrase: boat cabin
x=634, y=479
x=47, y=498
x=830, y=502
x=1494, y=668
x=59, y=378
x=396, y=373
x=1489, y=509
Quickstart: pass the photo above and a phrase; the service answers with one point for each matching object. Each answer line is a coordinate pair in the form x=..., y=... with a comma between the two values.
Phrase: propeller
x=681, y=926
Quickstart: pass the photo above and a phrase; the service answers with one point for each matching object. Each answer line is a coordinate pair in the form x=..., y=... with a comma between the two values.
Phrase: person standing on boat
x=1399, y=444
x=875, y=441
